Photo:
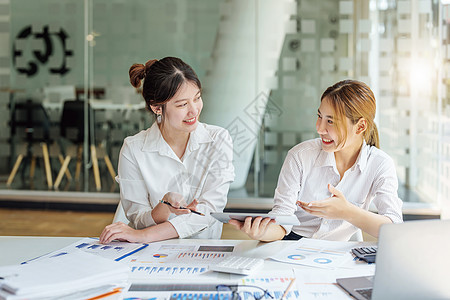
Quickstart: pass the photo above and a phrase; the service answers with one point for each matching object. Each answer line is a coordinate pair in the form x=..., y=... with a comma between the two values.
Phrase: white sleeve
x=213, y=196
x=133, y=192
x=288, y=188
x=385, y=188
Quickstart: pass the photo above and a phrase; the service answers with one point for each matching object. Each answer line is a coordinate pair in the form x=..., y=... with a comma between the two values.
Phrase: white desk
x=14, y=250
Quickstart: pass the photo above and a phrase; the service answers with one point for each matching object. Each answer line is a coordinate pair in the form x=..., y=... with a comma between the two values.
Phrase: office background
x=263, y=65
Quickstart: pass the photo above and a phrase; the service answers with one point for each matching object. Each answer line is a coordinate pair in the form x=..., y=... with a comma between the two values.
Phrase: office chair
x=57, y=94
x=30, y=120
x=72, y=129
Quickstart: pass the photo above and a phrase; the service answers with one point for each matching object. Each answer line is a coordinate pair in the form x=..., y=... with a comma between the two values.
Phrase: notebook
x=413, y=262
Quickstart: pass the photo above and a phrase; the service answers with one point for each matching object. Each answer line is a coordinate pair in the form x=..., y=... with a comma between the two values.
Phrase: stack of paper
x=61, y=274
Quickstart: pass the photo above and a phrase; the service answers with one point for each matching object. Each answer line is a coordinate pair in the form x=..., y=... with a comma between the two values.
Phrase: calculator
x=367, y=254
x=238, y=265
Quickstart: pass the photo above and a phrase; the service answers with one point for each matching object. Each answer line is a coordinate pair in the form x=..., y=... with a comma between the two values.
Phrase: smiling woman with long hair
x=330, y=182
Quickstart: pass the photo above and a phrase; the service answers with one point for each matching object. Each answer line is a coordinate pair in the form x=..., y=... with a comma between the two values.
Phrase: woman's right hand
x=255, y=228
x=176, y=201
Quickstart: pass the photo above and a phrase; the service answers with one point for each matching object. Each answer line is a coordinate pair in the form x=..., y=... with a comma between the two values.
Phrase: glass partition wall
x=263, y=66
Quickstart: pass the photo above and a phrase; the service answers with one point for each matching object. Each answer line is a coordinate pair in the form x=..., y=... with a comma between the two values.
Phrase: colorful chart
x=315, y=253
x=154, y=270
x=296, y=257
x=266, y=280
x=275, y=284
x=200, y=255
x=195, y=295
x=322, y=260
x=203, y=258
x=159, y=255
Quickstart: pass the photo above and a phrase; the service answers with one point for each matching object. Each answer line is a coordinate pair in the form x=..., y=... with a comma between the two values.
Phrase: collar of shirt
x=327, y=159
x=154, y=141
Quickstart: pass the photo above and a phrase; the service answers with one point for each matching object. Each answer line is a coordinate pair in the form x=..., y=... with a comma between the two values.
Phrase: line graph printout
x=316, y=253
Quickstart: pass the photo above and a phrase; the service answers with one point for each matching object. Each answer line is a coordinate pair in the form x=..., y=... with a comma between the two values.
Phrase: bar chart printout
x=157, y=271
x=118, y=251
x=182, y=254
x=276, y=283
x=115, y=250
x=201, y=257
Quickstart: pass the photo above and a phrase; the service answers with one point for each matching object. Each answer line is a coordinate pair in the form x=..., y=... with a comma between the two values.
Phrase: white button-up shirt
x=308, y=169
x=148, y=169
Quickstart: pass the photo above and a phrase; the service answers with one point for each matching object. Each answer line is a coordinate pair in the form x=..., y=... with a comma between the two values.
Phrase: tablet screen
x=279, y=219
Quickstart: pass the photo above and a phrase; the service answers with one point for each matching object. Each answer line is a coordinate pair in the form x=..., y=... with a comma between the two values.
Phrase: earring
x=158, y=118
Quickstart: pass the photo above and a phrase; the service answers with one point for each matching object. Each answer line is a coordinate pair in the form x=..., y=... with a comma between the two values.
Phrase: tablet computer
x=279, y=219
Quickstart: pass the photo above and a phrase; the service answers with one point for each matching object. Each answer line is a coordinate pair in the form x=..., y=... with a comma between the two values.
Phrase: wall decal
x=41, y=57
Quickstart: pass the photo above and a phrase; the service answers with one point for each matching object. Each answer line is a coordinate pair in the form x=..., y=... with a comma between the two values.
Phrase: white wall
x=242, y=73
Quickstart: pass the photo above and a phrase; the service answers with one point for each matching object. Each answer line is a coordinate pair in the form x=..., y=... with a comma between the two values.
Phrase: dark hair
x=162, y=79
x=354, y=100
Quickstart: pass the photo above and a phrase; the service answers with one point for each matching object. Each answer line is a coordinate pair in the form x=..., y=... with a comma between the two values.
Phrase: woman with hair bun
x=173, y=174
x=329, y=182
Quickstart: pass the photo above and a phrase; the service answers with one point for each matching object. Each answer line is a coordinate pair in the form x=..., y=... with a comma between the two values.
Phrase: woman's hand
x=176, y=201
x=335, y=207
x=192, y=205
x=121, y=232
x=162, y=211
x=255, y=229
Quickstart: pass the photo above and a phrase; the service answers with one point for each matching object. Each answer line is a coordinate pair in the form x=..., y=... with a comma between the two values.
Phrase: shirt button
x=325, y=222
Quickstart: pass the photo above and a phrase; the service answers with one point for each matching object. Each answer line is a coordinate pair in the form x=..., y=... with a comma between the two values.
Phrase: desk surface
x=15, y=250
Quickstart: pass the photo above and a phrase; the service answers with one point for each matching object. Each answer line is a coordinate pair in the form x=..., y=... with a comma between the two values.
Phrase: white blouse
x=308, y=169
x=148, y=169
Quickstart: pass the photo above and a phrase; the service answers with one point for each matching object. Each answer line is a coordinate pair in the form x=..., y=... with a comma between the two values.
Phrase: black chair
x=72, y=129
x=29, y=121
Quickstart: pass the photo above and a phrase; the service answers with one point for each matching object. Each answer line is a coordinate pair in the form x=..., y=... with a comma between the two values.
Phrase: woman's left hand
x=254, y=228
x=335, y=207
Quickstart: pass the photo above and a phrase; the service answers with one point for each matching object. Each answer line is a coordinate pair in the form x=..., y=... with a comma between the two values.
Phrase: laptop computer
x=413, y=262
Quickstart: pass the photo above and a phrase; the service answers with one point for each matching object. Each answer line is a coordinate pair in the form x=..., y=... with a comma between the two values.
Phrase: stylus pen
x=181, y=207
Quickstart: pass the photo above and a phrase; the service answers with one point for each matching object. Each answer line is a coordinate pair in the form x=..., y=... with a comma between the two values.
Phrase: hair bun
x=137, y=73
x=149, y=64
